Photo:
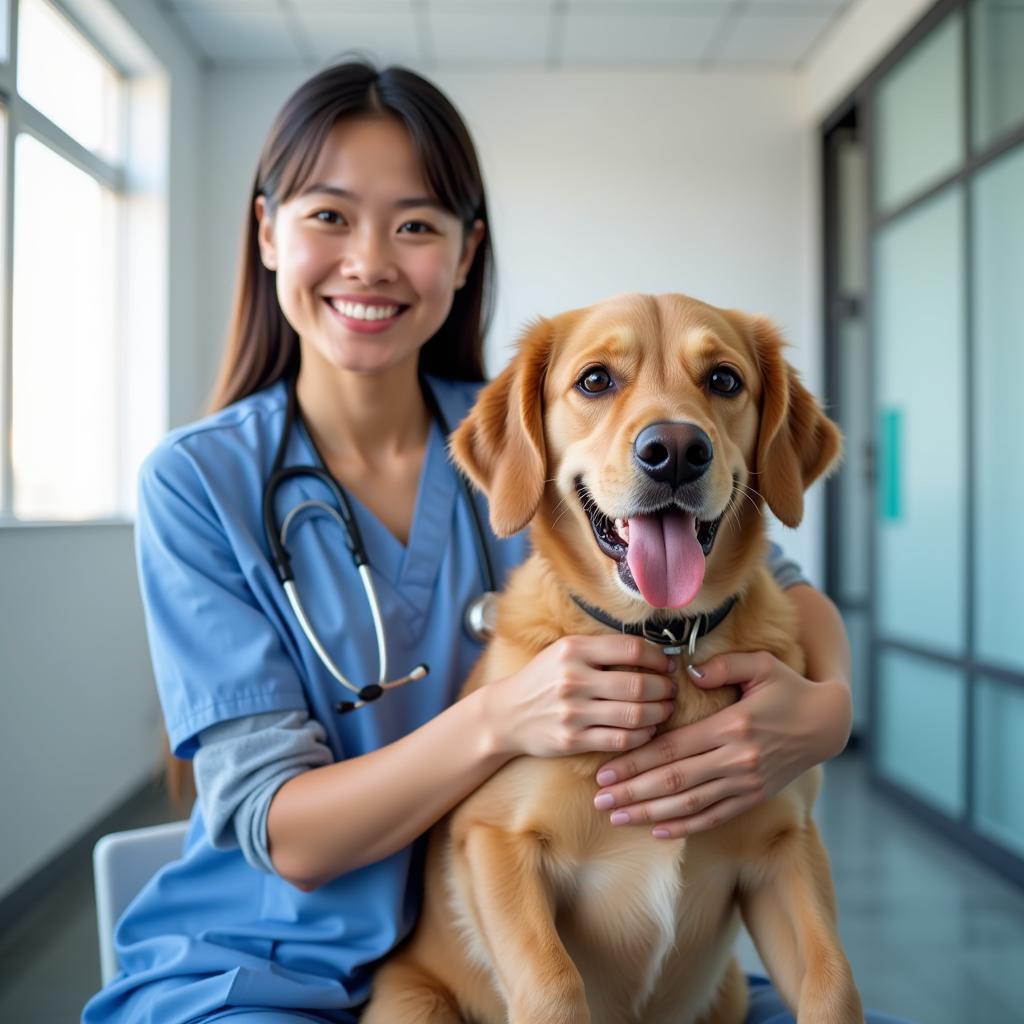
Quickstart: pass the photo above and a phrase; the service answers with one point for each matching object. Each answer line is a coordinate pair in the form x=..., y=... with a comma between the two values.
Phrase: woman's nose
x=369, y=258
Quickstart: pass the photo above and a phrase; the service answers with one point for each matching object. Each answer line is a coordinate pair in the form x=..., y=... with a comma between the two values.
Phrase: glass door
x=926, y=356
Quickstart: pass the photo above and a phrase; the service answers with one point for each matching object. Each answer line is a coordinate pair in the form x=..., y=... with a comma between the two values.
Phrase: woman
x=366, y=264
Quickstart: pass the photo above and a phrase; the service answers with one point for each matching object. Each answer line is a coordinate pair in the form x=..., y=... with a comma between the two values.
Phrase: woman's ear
x=265, y=233
x=473, y=237
x=796, y=442
x=500, y=444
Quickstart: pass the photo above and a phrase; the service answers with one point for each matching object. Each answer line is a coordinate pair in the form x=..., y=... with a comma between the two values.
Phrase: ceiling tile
x=485, y=6
x=386, y=36
x=236, y=6
x=796, y=6
x=494, y=37
x=637, y=37
x=240, y=33
x=650, y=6
x=779, y=38
x=346, y=7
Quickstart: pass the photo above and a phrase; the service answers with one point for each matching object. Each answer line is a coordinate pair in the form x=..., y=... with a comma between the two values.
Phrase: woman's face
x=367, y=262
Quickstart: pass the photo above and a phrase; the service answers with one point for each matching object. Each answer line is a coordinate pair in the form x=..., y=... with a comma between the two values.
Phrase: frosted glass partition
x=997, y=42
x=919, y=117
x=921, y=740
x=999, y=345
x=919, y=567
x=999, y=763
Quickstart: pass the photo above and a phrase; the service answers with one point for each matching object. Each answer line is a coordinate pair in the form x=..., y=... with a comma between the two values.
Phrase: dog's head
x=641, y=436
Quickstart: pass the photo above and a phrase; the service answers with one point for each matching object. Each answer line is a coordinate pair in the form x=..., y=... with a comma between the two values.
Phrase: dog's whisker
x=745, y=491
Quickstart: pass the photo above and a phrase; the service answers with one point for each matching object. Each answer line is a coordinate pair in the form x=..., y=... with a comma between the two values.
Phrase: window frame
x=23, y=117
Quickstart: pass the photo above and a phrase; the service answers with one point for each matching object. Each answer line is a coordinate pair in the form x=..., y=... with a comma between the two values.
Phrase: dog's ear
x=797, y=442
x=500, y=444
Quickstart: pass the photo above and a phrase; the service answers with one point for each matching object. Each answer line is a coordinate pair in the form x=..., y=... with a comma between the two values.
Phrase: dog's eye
x=725, y=381
x=595, y=380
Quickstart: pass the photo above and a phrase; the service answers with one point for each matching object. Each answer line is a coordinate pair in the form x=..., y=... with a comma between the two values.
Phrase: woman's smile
x=366, y=314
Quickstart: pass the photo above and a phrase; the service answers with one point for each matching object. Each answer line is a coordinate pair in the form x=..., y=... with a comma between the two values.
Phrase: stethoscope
x=478, y=619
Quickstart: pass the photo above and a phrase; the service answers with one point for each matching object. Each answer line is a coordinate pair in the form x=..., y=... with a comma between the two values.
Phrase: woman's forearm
x=330, y=820
x=822, y=636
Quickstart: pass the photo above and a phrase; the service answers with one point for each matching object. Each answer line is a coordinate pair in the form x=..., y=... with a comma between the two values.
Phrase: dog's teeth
x=622, y=529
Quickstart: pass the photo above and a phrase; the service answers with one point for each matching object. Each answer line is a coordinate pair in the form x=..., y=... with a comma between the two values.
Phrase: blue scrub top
x=209, y=931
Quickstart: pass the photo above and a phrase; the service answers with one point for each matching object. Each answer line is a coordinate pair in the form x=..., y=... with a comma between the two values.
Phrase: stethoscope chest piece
x=481, y=616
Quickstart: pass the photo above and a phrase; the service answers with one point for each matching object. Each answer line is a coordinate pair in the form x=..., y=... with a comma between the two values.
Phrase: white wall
x=79, y=728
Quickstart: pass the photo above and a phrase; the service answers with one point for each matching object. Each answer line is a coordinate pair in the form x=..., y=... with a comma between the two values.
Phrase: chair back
x=122, y=864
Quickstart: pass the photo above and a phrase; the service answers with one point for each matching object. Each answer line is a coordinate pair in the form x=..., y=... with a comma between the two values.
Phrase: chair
x=122, y=864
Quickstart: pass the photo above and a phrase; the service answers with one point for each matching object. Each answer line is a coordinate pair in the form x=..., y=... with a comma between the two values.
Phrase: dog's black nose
x=673, y=453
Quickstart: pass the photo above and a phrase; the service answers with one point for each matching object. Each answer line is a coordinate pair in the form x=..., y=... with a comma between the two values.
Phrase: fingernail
x=604, y=802
x=661, y=833
x=606, y=777
x=694, y=671
x=620, y=818
x=672, y=663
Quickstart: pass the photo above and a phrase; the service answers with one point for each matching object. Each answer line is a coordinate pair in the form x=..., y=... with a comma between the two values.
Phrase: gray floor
x=932, y=935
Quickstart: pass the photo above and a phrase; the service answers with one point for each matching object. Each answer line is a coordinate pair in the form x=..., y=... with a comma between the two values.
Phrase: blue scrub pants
x=765, y=1008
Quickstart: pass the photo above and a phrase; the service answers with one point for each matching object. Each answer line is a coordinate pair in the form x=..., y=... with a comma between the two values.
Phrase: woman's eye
x=595, y=381
x=725, y=381
x=416, y=227
x=329, y=217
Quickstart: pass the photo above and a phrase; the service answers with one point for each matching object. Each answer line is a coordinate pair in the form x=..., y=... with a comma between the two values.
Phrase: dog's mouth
x=660, y=553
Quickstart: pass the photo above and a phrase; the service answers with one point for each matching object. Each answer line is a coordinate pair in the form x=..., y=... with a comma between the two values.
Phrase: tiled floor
x=932, y=936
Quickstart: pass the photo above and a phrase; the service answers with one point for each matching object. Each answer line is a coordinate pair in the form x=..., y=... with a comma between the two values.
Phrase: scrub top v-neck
x=210, y=932
x=411, y=568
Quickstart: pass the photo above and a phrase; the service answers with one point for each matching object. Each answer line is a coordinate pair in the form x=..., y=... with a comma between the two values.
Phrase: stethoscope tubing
x=345, y=518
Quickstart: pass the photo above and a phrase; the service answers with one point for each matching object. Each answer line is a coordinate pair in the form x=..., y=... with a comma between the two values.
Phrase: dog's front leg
x=516, y=911
x=788, y=905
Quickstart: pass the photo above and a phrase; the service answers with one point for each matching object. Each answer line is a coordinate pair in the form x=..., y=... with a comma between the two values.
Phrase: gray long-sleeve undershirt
x=241, y=763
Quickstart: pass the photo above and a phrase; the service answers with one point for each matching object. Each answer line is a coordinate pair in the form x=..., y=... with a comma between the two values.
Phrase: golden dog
x=630, y=435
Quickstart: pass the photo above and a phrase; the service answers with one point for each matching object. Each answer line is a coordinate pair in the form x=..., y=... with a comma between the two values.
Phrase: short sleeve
x=216, y=653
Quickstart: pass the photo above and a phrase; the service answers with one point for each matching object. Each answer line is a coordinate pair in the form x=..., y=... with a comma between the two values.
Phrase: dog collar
x=675, y=635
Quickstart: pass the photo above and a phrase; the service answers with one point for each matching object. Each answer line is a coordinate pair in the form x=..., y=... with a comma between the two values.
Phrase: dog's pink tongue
x=665, y=558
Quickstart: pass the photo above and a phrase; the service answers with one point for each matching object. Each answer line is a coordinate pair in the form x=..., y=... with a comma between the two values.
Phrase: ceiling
x=441, y=35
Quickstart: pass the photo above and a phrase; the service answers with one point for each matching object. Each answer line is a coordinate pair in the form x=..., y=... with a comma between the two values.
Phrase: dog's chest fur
x=624, y=906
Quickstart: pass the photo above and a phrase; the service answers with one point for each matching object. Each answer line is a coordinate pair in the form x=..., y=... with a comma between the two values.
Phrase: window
x=69, y=381
x=67, y=80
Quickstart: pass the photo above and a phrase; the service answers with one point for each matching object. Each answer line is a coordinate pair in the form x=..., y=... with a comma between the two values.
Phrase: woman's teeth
x=357, y=311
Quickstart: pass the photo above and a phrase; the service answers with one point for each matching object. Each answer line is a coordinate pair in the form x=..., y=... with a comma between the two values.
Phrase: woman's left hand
x=700, y=775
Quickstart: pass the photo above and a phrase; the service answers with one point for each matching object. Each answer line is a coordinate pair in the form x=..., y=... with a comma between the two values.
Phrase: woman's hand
x=703, y=774
x=564, y=701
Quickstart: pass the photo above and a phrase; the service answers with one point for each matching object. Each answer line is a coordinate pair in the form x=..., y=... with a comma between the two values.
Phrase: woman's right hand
x=566, y=700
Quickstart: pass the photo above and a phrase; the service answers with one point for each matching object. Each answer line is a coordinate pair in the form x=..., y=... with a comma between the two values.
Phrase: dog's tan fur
x=537, y=911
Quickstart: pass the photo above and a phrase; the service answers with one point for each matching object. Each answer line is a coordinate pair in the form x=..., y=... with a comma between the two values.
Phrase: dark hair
x=261, y=345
